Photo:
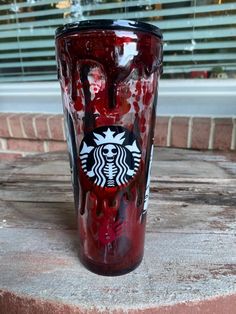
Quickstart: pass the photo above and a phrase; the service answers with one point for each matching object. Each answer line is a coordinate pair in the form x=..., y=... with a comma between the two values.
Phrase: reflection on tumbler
x=109, y=83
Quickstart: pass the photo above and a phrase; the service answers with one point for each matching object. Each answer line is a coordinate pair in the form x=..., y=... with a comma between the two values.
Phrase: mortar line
x=212, y=133
x=3, y=142
x=9, y=126
x=190, y=126
x=45, y=146
x=48, y=127
x=34, y=126
x=22, y=127
x=233, y=136
x=168, y=139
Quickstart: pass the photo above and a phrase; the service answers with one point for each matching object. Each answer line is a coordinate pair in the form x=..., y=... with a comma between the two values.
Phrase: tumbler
x=108, y=72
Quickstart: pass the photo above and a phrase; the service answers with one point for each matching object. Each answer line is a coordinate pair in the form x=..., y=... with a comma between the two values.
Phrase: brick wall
x=22, y=134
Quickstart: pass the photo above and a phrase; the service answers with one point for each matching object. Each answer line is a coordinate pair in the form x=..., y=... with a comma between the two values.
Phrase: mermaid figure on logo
x=114, y=164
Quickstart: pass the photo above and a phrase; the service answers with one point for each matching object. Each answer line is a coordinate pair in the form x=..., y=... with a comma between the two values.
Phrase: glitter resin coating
x=109, y=71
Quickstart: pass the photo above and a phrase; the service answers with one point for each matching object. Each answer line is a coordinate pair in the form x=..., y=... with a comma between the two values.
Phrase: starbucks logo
x=110, y=156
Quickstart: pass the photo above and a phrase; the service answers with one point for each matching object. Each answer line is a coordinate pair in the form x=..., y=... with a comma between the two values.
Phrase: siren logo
x=110, y=156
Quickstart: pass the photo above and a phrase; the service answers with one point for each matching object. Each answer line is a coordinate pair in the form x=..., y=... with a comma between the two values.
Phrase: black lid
x=108, y=24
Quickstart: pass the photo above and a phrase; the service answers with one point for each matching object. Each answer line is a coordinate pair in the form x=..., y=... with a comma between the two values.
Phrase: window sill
x=212, y=97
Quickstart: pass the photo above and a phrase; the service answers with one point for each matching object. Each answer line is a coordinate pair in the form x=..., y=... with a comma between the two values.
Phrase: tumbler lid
x=108, y=24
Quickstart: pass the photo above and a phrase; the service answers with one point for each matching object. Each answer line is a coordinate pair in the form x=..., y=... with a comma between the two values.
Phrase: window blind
x=199, y=35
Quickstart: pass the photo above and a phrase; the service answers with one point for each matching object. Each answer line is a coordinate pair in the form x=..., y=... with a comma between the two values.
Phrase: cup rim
x=108, y=24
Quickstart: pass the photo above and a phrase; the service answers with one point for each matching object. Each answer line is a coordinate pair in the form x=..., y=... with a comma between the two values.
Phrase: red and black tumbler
x=109, y=73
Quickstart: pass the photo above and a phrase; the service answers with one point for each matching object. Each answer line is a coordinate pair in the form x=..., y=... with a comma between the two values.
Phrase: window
x=199, y=35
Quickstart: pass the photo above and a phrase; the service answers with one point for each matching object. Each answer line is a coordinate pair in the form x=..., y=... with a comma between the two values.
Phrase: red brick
x=55, y=124
x=56, y=146
x=200, y=133
x=161, y=130
x=15, y=124
x=4, y=132
x=9, y=156
x=223, y=133
x=25, y=145
x=41, y=127
x=179, y=132
x=27, y=122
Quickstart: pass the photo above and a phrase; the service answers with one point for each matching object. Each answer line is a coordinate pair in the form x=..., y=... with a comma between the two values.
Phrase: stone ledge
x=11, y=303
